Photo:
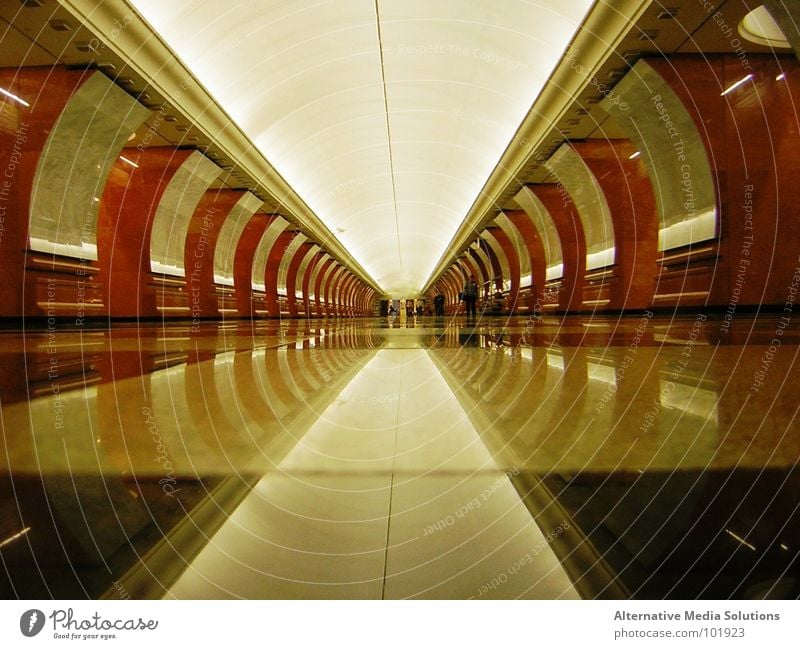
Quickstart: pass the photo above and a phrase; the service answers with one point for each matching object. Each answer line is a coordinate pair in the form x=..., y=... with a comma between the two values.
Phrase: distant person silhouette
x=471, y=296
x=438, y=304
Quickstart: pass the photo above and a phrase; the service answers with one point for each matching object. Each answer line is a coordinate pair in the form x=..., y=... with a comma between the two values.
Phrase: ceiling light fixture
x=634, y=155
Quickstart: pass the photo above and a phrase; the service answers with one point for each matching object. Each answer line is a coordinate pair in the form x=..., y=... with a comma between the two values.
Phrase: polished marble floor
x=639, y=456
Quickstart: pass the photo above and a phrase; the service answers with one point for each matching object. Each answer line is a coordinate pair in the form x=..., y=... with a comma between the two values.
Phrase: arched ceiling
x=385, y=116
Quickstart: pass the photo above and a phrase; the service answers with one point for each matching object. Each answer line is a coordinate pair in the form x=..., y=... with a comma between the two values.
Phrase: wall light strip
x=130, y=162
x=736, y=85
x=11, y=539
x=11, y=95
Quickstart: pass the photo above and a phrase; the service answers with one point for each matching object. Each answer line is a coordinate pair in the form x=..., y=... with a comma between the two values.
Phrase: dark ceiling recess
x=60, y=25
x=668, y=14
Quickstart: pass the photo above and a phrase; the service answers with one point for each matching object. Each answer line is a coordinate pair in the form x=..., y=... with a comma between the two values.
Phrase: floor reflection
x=592, y=457
x=373, y=502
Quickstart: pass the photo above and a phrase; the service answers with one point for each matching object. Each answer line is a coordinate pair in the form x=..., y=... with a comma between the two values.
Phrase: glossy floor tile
x=636, y=456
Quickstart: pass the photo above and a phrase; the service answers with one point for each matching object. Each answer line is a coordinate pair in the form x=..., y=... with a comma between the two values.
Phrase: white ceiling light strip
x=389, y=138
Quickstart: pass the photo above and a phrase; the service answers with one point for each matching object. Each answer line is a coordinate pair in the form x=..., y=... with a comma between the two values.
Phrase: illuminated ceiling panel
x=386, y=117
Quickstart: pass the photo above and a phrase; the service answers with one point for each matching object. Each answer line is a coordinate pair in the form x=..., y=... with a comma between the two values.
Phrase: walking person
x=438, y=305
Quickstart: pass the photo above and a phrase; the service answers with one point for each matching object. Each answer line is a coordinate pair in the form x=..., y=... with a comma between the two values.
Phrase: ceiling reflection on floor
x=554, y=458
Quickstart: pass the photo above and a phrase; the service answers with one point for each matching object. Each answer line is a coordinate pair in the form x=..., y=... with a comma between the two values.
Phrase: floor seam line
x=391, y=486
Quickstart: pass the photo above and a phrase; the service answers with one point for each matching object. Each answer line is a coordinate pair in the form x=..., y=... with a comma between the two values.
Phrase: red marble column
x=573, y=243
x=319, y=295
x=358, y=304
x=453, y=285
x=243, y=262
x=751, y=138
x=291, y=277
x=513, y=265
x=330, y=291
x=201, y=241
x=346, y=292
x=454, y=278
x=125, y=221
x=24, y=131
x=446, y=289
x=330, y=307
x=630, y=199
x=310, y=308
x=358, y=289
x=363, y=290
x=468, y=267
x=367, y=300
x=358, y=294
x=530, y=235
x=364, y=305
x=496, y=270
x=483, y=275
x=355, y=288
x=341, y=293
x=441, y=288
x=274, y=258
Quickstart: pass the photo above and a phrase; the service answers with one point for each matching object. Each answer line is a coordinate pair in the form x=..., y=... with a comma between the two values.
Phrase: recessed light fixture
x=634, y=155
x=736, y=85
x=780, y=77
x=60, y=25
x=11, y=95
x=86, y=46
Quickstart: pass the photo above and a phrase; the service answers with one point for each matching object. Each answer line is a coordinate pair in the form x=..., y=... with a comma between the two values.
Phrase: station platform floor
x=637, y=456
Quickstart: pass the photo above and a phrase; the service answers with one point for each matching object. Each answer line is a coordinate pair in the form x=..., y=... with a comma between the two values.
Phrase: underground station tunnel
x=399, y=299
